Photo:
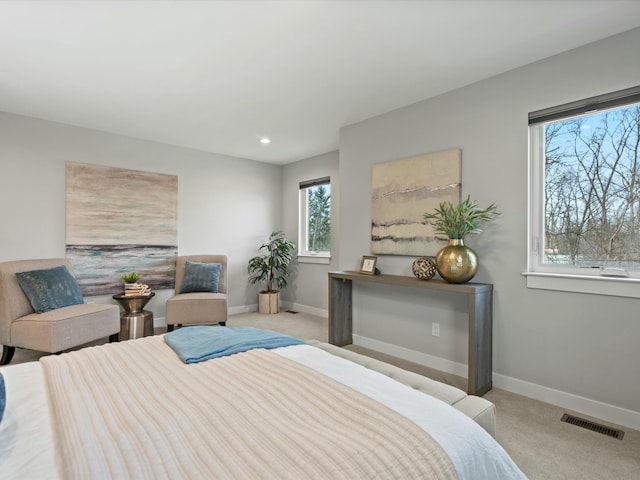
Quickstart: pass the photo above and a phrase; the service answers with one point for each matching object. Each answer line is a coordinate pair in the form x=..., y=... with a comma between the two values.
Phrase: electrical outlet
x=435, y=329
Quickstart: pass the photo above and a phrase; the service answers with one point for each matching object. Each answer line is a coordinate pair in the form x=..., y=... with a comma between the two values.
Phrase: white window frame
x=566, y=277
x=304, y=255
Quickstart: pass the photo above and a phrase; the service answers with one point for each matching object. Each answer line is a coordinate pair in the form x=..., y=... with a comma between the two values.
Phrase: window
x=315, y=220
x=585, y=187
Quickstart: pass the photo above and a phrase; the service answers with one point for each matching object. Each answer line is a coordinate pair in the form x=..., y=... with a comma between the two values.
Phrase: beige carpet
x=530, y=431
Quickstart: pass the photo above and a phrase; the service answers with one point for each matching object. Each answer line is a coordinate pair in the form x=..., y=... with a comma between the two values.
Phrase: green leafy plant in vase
x=457, y=263
x=272, y=268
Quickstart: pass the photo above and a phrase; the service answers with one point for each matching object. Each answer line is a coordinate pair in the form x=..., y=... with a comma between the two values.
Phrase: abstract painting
x=119, y=221
x=402, y=191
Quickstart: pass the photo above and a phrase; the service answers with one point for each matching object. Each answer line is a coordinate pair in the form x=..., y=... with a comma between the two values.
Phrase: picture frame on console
x=368, y=265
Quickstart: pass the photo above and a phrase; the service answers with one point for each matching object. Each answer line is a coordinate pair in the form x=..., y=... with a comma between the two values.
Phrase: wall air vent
x=595, y=427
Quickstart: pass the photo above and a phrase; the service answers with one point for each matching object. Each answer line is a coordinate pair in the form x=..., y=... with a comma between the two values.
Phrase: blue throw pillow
x=201, y=277
x=3, y=396
x=50, y=289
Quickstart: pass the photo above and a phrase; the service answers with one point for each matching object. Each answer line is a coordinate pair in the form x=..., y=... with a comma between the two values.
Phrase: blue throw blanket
x=197, y=344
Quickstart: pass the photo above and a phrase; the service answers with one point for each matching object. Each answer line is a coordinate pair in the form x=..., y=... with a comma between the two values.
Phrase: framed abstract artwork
x=402, y=191
x=118, y=221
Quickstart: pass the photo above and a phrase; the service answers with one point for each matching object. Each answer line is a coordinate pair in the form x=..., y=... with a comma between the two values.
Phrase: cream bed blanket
x=133, y=410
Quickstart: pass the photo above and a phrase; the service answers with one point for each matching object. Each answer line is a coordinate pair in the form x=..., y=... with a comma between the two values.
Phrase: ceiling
x=219, y=75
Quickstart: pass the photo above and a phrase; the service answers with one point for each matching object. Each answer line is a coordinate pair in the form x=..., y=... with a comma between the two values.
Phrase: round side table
x=134, y=321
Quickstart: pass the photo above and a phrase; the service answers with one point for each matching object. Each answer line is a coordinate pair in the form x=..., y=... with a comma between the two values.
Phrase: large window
x=315, y=219
x=585, y=187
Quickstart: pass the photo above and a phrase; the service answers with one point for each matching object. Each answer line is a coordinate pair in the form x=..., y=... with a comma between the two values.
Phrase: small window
x=585, y=187
x=315, y=218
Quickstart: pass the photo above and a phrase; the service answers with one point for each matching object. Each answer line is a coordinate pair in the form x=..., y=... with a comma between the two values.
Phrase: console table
x=480, y=298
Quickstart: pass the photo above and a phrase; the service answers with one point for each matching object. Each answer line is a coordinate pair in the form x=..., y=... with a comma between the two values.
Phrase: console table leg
x=340, y=312
x=480, y=343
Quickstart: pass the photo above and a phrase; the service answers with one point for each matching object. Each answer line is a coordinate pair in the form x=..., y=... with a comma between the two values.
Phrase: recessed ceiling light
x=265, y=140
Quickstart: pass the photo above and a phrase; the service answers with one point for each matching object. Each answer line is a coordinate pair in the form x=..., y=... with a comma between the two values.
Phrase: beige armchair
x=52, y=331
x=198, y=307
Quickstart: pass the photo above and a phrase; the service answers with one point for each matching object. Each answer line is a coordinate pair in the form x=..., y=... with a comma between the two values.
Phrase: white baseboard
x=318, y=312
x=442, y=364
x=593, y=408
x=283, y=306
x=243, y=309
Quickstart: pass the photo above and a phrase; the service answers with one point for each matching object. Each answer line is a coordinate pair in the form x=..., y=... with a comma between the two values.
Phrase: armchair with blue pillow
x=42, y=308
x=200, y=292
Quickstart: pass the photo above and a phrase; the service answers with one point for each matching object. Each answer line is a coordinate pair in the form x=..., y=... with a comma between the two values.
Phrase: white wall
x=572, y=349
x=309, y=285
x=225, y=205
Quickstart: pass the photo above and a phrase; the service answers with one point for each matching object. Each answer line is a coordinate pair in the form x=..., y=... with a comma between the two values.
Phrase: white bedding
x=26, y=435
x=468, y=445
x=27, y=443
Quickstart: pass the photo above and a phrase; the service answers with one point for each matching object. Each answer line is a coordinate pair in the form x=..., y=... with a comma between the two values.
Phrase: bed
x=135, y=410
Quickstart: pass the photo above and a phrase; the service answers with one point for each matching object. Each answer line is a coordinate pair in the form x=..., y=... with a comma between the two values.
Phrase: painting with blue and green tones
x=119, y=221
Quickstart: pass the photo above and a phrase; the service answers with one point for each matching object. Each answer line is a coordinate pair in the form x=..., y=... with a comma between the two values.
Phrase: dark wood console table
x=480, y=297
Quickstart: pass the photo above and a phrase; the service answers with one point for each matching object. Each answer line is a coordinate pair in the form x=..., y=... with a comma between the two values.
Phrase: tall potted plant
x=456, y=262
x=271, y=267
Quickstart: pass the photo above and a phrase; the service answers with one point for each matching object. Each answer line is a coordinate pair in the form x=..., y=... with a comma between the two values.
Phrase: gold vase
x=456, y=262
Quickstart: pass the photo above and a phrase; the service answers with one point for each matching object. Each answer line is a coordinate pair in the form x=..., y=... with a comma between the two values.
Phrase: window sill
x=617, y=287
x=319, y=259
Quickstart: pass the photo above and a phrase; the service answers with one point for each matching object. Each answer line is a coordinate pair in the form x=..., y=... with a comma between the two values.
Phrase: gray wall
x=225, y=205
x=573, y=349
x=562, y=347
x=308, y=289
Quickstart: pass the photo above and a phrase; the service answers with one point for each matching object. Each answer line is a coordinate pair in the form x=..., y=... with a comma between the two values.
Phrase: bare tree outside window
x=592, y=189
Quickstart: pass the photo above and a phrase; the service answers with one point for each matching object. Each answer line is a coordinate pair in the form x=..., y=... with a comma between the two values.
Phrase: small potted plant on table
x=130, y=280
